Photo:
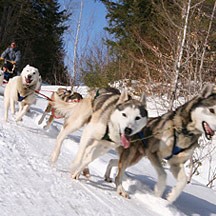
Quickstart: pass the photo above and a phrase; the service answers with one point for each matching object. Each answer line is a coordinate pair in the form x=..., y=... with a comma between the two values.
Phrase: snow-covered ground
x=30, y=186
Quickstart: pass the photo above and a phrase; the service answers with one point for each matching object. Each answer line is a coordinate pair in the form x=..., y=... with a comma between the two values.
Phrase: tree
x=168, y=44
x=38, y=28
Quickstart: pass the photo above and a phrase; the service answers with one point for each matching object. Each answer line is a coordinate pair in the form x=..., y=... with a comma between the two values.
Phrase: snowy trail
x=30, y=186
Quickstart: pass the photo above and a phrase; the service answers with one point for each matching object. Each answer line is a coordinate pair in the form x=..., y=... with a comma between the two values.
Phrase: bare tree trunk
x=76, y=46
x=205, y=45
x=177, y=66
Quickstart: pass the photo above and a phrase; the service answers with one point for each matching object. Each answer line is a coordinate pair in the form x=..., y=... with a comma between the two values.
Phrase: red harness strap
x=36, y=91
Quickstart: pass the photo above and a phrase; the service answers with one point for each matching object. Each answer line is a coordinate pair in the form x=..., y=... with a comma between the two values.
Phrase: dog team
x=114, y=120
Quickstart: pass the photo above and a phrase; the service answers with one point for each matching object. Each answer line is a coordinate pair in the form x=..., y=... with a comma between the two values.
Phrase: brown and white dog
x=66, y=96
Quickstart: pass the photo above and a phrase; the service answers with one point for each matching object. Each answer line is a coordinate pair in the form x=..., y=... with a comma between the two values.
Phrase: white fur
x=77, y=115
x=203, y=114
x=18, y=84
x=92, y=144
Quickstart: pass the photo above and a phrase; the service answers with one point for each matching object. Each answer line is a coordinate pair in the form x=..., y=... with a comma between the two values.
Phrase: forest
x=161, y=47
x=165, y=47
x=37, y=26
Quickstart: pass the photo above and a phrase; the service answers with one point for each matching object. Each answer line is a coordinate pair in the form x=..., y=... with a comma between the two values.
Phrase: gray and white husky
x=110, y=117
x=115, y=118
x=172, y=136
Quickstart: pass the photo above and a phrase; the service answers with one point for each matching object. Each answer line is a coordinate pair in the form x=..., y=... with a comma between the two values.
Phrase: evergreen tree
x=147, y=37
x=38, y=27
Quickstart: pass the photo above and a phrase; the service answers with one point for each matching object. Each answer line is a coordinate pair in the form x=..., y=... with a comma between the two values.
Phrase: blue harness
x=21, y=98
x=141, y=136
x=175, y=151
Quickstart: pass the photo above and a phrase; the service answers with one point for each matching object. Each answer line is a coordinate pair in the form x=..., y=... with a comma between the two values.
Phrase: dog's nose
x=29, y=76
x=127, y=131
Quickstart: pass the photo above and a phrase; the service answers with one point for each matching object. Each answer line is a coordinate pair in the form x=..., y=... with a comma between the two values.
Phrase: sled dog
x=21, y=89
x=79, y=114
x=76, y=115
x=63, y=94
x=115, y=118
x=172, y=136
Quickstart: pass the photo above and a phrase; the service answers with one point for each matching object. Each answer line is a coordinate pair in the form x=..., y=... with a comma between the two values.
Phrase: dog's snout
x=127, y=131
x=29, y=76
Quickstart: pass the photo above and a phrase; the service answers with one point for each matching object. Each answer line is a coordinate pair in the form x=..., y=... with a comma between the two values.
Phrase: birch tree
x=180, y=48
x=76, y=43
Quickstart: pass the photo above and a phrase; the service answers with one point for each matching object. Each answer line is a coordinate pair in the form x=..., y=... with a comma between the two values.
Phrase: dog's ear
x=123, y=97
x=143, y=99
x=207, y=90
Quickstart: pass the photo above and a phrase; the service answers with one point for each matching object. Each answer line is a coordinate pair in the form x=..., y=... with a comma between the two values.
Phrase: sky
x=31, y=186
x=91, y=30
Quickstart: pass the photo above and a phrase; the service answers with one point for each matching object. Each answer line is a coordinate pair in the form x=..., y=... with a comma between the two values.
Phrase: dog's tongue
x=28, y=80
x=125, y=141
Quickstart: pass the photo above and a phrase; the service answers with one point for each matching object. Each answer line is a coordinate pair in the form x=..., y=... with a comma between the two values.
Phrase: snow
x=30, y=186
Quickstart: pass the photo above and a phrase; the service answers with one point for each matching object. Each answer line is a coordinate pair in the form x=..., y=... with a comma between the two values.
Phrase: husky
x=21, y=89
x=65, y=95
x=79, y=114
x=172, y=136
x=76, y=115
x=115, y=118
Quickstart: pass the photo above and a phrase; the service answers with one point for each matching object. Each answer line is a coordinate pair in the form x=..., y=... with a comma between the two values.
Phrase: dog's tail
x=67, y=108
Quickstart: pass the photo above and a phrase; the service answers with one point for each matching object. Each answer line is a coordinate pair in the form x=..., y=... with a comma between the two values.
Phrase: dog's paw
x=122, y=192
x=86, y=172
x=107, y=179
x=18, y=119
x=171, y=197
x=75, y=176
x=45, y=127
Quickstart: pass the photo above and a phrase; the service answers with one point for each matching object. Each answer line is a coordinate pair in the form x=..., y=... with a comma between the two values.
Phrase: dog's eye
x=123, y=114
x=34, y=73
x=137, y=118
x=212, y=110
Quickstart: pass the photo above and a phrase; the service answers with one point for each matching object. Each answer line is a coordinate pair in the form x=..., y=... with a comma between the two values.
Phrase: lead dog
x=115, y=118
x=21, y=89
x=172, y=136
x=63, y=94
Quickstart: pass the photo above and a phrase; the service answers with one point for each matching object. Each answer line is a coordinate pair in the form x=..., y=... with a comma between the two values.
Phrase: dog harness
x=176, y=150
x=21, y=98
x=106, y=135
x=142, y=137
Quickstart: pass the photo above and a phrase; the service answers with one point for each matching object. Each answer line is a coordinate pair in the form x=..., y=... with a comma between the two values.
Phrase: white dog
x=21, y=89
